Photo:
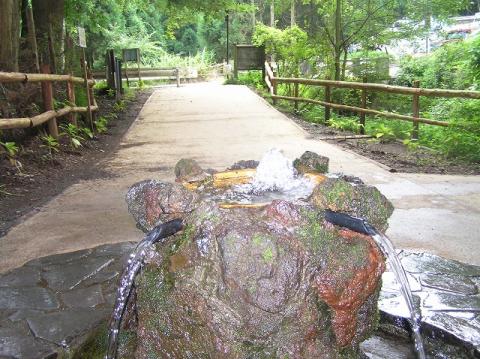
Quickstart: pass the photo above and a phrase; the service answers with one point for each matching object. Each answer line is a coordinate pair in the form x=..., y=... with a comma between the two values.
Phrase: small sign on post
x=131, y=55
x=249, y=57
x=82, y=42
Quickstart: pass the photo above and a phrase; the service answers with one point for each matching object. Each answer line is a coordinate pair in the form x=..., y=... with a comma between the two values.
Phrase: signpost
x=131, y=55
x=249, y=57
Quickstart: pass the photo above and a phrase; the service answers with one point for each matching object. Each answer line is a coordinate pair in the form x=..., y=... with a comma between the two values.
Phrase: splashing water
x=133, y=266
x=386, y=246
x=275, y=178
x=415, y=319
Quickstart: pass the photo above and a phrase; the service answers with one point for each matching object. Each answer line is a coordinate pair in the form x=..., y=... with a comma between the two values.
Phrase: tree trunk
x=292, y=14
x=344, y=63
x=49, y=21
x=9, y=34
x=272, y=13
x=338, y=38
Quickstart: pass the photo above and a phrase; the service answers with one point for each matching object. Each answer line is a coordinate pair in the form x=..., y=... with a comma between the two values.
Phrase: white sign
x=82, y=42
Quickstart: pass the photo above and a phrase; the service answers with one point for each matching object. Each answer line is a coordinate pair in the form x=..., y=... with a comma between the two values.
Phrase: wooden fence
x=50, y=115
x=416, y=92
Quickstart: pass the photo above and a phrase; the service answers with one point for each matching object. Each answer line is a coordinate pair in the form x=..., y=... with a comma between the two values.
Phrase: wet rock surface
x=268, y=280
x=261, y=282
x=50, y=304
x=152, y=202
x=311, y=162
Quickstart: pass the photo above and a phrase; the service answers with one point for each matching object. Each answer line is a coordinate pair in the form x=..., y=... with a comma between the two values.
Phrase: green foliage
x=119, y=106
x=86, y=132
x=290, y=46
x=452, y=66
x=101, y=124
x=74, y=135
x=51, y=144
x=345, y=124
x=384, y=133
x=249, y=78
x=10, y=148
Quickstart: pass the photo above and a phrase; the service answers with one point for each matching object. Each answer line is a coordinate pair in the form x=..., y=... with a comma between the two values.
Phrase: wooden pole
x=177, y=75
x=328, y=99
x=87, y=90
x=363, y=105
x=138, y=66
x=366, y=110
x=235, y=62
x=295, y=93
x=91, y=96
x=383, y=88
x=71, y=98
x=47, y=94
x=415, y=111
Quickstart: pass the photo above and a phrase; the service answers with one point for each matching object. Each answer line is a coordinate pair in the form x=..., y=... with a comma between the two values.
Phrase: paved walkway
x=218, y=125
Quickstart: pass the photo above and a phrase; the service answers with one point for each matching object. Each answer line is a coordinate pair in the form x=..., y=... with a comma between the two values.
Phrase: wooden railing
x=416, y=92
x=50, y=115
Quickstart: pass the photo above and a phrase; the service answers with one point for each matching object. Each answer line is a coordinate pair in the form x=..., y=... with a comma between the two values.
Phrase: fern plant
x=73, y=134
x=51, y=144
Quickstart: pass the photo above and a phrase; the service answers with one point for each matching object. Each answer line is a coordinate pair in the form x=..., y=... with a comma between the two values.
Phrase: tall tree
x=49, y=18
x=9, y=34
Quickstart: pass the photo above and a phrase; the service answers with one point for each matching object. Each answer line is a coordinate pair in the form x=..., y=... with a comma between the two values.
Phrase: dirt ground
x=42, y=178
x=393, y=154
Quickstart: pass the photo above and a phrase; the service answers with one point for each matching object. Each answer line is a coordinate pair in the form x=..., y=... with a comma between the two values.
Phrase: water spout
x=133, y=266
x=362, y=226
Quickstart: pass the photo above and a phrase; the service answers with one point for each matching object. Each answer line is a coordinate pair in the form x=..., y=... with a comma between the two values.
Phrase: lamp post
x=227, y=21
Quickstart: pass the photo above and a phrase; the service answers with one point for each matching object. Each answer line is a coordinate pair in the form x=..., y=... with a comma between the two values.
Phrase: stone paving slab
x=448, y=294
x=48, y=305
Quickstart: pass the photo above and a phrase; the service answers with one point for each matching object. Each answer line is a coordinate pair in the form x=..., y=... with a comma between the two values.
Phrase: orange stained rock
x=346, y=300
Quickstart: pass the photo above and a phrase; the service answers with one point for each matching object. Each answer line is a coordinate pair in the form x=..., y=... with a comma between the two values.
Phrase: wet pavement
x=49, y=305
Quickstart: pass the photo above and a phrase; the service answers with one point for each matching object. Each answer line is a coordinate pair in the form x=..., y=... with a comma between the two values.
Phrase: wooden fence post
x=328, y=98
x=363, y=105
x=415, y=111
x=72, y=117
x=87, y=90
x=177, y=75
x=295, y=94
x=91, y=95
x=47, y=94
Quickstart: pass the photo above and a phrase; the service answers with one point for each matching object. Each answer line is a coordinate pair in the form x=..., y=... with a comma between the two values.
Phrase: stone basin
x=261, y=280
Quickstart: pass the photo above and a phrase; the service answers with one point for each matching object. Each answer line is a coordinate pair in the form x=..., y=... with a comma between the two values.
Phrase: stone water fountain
x=257, y=272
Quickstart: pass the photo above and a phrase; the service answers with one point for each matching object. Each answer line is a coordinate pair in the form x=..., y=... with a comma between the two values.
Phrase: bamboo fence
x=50, y=115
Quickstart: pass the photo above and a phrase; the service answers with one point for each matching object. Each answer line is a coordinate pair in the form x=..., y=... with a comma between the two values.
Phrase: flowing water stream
x=134, y=264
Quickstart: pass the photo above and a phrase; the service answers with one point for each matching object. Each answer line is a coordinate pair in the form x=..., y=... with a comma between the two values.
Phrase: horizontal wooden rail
x=9, y=77
x=27, y=122
x=382, y=88
x=364, y=110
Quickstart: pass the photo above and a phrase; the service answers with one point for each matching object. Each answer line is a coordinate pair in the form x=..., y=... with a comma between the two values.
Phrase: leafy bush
x=345, y=124
x=290, y=46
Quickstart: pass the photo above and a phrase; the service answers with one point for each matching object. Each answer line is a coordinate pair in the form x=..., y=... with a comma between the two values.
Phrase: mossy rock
x=358, y=200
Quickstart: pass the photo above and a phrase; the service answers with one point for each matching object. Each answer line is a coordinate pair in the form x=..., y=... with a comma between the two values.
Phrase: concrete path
x=218, y=125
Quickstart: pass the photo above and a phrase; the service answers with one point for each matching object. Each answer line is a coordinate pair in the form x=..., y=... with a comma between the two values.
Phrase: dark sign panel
x=249, y=57
x=131, y=55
